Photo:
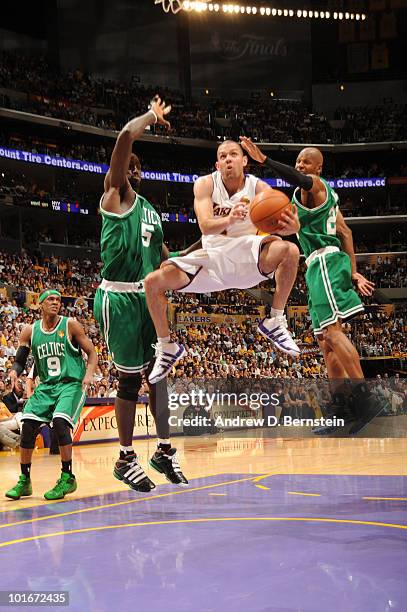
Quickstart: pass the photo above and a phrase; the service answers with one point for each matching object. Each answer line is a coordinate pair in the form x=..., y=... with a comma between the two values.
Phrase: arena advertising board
x=186, y=319
x=98, y=423
x=169, y=177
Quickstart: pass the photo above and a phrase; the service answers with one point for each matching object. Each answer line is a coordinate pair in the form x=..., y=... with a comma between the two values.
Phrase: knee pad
x=62, y=430
x=29, y=432
x=129, y=386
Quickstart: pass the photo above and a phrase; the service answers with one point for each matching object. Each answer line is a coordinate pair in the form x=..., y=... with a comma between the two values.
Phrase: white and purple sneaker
x=166, y=357
x=275, y=329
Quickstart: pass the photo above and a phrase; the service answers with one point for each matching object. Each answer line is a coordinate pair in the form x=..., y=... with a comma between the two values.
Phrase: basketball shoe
x=23, y=488
x=167, y=463
x=275, y=329
x=65, y=484
x=167, y=355
x=132, y=474
x=369, y=406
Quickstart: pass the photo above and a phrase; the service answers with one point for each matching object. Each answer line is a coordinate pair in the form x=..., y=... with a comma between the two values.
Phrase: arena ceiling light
x=228, y=8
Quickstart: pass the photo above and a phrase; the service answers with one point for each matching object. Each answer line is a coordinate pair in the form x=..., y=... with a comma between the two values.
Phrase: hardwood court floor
x=212, y=455
x=266, y=524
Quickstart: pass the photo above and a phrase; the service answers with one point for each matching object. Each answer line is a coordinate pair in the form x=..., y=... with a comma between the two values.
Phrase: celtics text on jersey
x=56, y=358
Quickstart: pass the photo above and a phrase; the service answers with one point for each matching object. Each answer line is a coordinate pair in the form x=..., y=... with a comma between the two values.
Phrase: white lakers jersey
x=223, y=203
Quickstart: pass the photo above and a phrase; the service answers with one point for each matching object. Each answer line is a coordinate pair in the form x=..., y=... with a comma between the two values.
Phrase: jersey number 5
x=147, y=231
x=54, y=366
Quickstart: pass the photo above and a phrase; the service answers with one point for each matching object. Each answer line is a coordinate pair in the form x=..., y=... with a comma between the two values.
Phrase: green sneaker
x=66, y=484
x=22, y=489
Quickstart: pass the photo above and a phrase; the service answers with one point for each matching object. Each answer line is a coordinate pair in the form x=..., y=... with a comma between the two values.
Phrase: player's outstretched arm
x=78, y=334
x=22, y=354
x=119, y=163
x=344, y=233
x=166, y=254
x=307, y=182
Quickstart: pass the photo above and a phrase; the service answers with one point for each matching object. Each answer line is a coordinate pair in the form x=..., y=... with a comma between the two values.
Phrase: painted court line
x=388, y=498
x=307, y=494
x=204, y=520
x=262, y=487
x=40, y=502
x=129, y=501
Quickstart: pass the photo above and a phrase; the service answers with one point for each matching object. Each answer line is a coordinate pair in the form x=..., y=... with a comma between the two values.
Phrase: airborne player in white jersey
x=234, y=255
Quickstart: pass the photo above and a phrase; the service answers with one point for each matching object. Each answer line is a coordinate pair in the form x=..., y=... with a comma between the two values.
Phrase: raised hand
x=252, y=149
x=363, y=285
x=161, y=110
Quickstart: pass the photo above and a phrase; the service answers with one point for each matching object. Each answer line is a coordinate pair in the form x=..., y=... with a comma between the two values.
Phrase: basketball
x=266, y=209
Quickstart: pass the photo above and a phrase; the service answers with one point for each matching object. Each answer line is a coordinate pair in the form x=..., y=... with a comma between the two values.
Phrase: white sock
x=165, y=340
x=126, y=449
x=276, y=313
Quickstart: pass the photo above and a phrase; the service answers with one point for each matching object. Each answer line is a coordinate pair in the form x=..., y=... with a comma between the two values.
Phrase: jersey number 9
x=54, y=366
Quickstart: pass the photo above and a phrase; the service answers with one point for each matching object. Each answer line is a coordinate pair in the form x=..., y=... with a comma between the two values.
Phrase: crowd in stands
x=218, y=350
x=79, y=97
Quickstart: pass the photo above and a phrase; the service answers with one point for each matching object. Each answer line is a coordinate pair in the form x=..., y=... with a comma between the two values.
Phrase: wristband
x=174, y=254
x=150, y=110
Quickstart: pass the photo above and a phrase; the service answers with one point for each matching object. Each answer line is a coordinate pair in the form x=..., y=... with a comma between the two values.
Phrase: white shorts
x=223, y=263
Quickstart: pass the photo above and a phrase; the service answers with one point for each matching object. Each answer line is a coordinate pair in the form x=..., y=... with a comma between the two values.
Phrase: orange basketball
x=266, y=209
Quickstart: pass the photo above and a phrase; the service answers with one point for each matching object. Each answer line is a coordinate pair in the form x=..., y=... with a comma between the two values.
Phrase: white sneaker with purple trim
x=275, y=329
x=166, y=357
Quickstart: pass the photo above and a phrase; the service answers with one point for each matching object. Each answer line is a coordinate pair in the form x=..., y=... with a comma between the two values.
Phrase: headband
x=47, y=293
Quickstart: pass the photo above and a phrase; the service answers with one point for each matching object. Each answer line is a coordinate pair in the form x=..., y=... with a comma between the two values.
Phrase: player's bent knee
x=62, y=430
x=293, y=251
x=29, y=433
x=129, y=387
x=151, y=281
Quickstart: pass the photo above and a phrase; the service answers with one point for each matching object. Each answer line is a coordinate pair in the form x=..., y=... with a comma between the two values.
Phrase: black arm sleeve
x=289, y=174
x=21, y=359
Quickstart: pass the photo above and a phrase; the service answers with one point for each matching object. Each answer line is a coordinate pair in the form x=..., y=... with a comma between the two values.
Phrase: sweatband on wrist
x=289, y=174
x=20, y=359
x=150, y=110
x=173, y=254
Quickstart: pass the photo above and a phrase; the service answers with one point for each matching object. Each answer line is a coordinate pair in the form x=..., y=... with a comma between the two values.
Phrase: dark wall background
x=126, y=38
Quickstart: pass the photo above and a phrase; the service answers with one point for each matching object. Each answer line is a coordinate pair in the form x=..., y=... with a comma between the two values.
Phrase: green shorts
x=330, y=291
x=127, y=328
x=48, y=401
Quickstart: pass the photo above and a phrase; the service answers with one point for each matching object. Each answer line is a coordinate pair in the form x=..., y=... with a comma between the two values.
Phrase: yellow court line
x=217, y=494
x=262, y=487
x=388, y=498
x=40, y=502
x=308, y=494
x=122, y=503
x=204, y=520
x=258, y=478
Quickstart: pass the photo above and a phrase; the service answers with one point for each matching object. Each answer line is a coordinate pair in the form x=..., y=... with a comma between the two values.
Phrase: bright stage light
x=199, y=7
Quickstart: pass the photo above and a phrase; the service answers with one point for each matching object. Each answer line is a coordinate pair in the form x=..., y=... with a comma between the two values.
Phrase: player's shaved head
x=227, y=144
x=314, y=153
x=310, y=161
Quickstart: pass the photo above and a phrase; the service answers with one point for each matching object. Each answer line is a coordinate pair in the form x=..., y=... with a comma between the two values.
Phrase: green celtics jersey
x=131, y=243
x=318, y=225
x=55, y=357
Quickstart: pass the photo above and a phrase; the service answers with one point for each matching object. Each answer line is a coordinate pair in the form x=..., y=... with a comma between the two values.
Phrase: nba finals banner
x=258, y=51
